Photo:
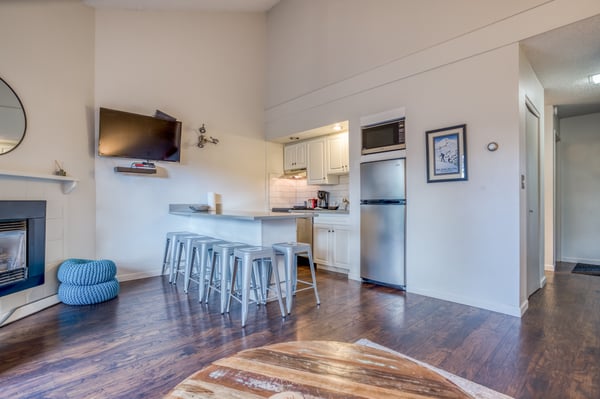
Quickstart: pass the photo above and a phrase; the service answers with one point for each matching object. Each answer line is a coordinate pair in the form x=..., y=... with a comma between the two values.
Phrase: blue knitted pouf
x=86, y=272
x=88, y=294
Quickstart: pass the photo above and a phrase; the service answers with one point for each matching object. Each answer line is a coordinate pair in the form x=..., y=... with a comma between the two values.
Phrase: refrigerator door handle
x=383, y=202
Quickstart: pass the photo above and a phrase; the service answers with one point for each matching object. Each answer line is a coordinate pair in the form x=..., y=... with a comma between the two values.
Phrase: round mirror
x=12, y=119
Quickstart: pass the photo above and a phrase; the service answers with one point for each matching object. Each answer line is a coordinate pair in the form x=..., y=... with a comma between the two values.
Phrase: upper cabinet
x=295, y=156
x=318, y=161
x=323, y=152
x=337, y=151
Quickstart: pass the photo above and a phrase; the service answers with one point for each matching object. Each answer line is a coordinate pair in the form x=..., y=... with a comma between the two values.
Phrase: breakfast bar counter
x=254, y=228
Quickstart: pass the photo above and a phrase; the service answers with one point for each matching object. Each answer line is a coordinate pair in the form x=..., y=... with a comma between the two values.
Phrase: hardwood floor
x=153, y=336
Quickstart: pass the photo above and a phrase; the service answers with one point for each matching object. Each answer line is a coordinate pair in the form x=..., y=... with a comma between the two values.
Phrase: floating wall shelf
x=68, y=182
x=144, y=171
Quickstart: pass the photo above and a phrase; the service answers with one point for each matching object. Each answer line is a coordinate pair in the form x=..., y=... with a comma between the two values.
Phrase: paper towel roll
x=211, y=200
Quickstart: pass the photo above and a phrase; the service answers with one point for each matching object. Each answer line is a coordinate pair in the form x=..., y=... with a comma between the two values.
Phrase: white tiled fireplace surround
x=15, y=305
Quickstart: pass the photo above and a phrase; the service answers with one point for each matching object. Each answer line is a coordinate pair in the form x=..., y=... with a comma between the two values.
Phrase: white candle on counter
x=211, y=200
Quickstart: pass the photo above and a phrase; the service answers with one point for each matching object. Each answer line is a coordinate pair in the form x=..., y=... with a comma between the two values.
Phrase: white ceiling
x=205, y=5
x=563, y=59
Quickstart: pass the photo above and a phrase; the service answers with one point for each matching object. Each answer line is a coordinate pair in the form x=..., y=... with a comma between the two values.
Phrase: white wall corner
x=549, y=267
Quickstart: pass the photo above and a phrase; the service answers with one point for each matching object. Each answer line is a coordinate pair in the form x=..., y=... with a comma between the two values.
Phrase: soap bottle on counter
x=346, y=203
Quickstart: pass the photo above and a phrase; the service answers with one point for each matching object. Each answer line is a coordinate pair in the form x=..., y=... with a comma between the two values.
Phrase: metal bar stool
x=290, y=252
x=183, y=243
x=202, y=251
x=222, y=255
x=250, y=258
x=170, y=250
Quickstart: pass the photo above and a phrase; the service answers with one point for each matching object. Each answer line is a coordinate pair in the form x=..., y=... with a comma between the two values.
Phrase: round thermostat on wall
x=493, y=146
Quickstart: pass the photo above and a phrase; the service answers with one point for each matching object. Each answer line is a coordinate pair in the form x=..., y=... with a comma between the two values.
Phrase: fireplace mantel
x=68, y=182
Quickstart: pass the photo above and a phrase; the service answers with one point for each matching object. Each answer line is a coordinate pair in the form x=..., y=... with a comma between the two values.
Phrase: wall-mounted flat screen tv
x=128, y=135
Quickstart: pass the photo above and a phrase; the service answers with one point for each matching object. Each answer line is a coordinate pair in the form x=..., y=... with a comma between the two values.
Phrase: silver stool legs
x=203, y=249
x=170, y=250
x=222, y=253
x=250, y=257
x=183, y=243
x=290, y=252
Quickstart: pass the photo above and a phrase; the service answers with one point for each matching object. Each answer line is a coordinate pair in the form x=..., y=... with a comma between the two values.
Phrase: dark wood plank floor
x=153, y=336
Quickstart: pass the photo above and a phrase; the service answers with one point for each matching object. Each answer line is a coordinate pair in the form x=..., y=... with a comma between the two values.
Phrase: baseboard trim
x=524, y=306
x=31, y=308
x=549, y=268
x=475, y=302
x=581, y=260
x=333, y=269
x=135, y=276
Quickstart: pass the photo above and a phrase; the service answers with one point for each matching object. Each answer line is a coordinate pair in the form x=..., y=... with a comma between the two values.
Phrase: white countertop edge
x=322, y=211
x=241, y=215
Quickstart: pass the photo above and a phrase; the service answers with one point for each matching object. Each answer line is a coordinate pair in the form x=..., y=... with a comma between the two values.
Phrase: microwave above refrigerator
x=383, y=136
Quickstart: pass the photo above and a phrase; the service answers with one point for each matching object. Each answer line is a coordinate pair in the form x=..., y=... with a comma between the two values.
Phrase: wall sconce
x=202, y=140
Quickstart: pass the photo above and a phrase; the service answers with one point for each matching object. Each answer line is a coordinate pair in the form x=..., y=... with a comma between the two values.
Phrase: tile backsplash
x=288, y=192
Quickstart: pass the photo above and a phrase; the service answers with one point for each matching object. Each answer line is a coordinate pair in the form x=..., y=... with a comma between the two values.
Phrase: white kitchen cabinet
x=294, y=156
x=318, y=159
x=337, y=150
x=330, y=246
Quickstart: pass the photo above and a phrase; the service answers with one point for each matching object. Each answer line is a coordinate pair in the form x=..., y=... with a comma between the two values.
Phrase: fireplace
x=22, y=245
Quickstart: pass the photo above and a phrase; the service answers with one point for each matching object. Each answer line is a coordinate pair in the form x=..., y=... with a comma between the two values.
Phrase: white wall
x=48, y=59
x=463, y=238
x=296, y=70
x=202, y=68
x=336, y=40
x=578, y=151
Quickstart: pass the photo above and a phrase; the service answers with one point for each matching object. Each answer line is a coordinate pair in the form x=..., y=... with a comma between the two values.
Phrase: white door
x=532, y=179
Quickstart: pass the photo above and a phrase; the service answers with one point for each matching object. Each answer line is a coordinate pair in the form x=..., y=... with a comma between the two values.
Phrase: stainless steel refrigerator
x=382, y=222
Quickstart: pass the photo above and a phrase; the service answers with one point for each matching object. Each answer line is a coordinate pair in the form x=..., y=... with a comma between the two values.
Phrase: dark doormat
x=584, y=268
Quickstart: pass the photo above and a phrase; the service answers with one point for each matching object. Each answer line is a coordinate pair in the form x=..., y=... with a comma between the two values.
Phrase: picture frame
x=447, y=154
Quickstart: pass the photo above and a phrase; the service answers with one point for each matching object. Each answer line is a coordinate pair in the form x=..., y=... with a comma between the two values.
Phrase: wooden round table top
x=316, y=369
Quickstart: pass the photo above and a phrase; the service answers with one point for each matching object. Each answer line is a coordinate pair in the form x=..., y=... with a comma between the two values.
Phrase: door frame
x=530, y=107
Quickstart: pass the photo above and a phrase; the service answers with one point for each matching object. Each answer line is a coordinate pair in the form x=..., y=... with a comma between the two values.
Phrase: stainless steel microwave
x=383, y=136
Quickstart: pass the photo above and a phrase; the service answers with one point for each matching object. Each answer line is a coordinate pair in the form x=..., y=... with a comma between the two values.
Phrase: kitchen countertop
x=184, y=210
x=328, y=211
x=313, y=211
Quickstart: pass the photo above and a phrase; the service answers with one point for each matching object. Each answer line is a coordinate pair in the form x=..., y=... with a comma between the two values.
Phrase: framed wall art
x=447, y=154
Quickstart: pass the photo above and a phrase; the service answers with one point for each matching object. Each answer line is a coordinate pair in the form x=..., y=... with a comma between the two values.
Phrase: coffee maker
x=323, y=199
